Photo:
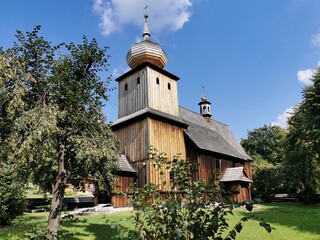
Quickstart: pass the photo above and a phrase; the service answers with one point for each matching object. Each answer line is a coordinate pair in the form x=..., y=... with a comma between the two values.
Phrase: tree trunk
x=57, y=195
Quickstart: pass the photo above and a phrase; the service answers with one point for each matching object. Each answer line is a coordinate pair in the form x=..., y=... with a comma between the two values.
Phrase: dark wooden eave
x=147, y=64
x=152, y=113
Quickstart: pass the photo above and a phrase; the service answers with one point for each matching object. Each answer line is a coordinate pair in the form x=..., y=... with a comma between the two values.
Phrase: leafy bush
x=12, y=202
x=268, y=179
x=191, y=210
x=68, y=192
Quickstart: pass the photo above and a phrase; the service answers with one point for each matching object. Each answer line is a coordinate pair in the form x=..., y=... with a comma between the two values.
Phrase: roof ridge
x=202, y=116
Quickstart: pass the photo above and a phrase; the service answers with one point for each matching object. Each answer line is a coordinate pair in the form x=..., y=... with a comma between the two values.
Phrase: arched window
x=208, y=108
x=138, y=80
x=204, y=109
x=169, y=86
x=157, y=80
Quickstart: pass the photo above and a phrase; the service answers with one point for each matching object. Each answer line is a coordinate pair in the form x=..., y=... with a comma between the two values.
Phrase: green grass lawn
x=36, y=193
x=292, y=221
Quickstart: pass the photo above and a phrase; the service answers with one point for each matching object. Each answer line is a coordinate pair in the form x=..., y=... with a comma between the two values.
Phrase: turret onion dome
x=204, y=99
x=146, y=51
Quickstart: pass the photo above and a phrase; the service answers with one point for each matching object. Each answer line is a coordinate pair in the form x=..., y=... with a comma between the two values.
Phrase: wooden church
x=149, y=114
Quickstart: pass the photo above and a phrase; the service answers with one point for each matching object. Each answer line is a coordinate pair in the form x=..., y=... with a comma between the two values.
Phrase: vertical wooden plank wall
x=207, y=167
x=193, y=157
x=168, y=139
x=248, y=169
x=159, y=96
x=134, y=98
x=134, y=139
x=122, y=185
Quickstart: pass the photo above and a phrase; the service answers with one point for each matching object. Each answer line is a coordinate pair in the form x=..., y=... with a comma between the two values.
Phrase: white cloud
x=117, y=72
x=282, y=119
x=163, y=15
x=305, y=76
x=315, y=40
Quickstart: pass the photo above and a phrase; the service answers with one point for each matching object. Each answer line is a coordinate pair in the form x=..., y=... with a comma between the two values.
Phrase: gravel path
x=99, y=209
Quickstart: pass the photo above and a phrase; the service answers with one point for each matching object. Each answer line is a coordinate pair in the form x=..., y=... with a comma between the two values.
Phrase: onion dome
x=146, y=51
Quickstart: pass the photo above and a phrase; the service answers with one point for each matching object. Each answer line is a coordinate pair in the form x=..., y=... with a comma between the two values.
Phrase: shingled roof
x=211, y=135
x=207, y=135
x=235, y=174
x=124, y=165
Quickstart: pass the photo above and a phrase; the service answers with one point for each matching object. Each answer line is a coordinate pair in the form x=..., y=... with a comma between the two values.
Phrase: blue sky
x=252, y=57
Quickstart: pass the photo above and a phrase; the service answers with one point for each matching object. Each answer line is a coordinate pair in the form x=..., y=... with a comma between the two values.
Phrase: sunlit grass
x=292, y=221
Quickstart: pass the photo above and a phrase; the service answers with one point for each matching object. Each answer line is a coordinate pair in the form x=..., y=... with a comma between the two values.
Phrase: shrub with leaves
x=12, y=202
x=190, y=210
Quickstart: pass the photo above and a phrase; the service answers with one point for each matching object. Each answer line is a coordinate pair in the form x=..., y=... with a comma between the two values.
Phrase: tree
x=266, y=147
x=268, y=178
x=52, y=124
x=12, y=201
x=303, y=140
x=267, y=142
x=311, y=106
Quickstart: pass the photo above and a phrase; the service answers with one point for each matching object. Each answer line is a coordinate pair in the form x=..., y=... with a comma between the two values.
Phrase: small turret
x=205, y=107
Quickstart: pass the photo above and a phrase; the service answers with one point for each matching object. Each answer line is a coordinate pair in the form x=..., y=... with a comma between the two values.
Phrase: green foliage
x=266, y=147
x=190, y=210
x=268, y=178
x=51, y=120
x=295, y=153
x=12, y=202
x=266, y=142
x=303, y=140
x=68, y=192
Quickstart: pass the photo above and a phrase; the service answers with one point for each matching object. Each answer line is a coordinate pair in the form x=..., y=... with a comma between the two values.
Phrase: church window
x=208, y=108
x=138, y=80
x=157, y=80
x=218, y=164
x=126, y=87
x=169, y=86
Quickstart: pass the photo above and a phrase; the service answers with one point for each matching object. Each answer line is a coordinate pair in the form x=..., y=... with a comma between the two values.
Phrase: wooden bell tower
x=148, y=111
